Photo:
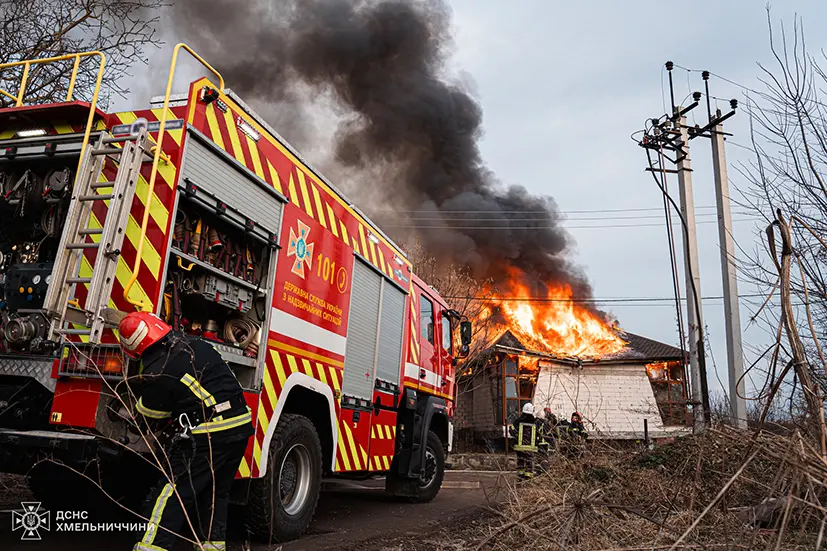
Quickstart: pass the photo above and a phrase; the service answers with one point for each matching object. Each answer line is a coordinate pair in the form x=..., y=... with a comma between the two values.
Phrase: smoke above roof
x=406, y=139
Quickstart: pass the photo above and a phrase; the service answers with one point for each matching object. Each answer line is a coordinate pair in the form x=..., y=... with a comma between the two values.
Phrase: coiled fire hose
x=244, y=333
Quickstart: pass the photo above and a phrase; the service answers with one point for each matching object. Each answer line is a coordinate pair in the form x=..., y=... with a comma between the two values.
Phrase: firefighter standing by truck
x=185, y=381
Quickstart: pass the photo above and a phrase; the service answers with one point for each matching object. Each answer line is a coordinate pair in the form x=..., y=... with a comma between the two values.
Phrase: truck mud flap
x=416, y=423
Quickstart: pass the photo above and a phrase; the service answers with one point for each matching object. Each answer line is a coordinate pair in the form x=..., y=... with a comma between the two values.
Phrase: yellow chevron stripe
x=364, y=454
x=344, y=233
x=305, y=195
x=291, y=187
x=322, y=375
x=332, y=217
x=381, y=261
x=355, y=246
x=176, y=135
x=373, y=253
x=243, y=469
x=338, y=465
x=334, y=377
x=274, y=175
x=393, y=432
x=294, y=366
x=253, y=147
x=122, y=272
x=387, y=460
x=308, y=368
x=263, y=421
x=157, y=210
x=232, y=130
x=268, y=384
x=257, y=452
x=362, y=241
x=342, y=446
x=279, y=368
x=351, y=442
x=388, y=431
x=215, y=130
x=150, y=256
x=319, y=208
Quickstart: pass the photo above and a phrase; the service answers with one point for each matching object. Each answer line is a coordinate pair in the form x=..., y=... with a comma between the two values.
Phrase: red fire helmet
x=140, y=330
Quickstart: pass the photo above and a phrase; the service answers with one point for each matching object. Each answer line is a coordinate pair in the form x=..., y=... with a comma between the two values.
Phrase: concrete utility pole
x=732, y=315
x=693, y=273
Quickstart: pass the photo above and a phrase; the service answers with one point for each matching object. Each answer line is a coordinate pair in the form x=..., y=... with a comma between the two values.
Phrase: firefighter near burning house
x=290, y=313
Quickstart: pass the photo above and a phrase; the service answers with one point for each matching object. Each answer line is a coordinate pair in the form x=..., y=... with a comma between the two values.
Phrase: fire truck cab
x=194, y=208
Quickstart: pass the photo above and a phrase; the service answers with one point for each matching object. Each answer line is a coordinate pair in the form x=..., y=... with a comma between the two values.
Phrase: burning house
x=558, y=353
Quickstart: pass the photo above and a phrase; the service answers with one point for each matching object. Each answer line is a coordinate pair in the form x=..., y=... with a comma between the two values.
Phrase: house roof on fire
x=638, y=349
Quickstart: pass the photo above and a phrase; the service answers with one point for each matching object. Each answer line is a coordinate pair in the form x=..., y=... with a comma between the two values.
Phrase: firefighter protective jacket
x=186, y=375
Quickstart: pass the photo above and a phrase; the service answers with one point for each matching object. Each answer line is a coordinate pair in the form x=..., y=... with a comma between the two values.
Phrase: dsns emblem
x=301, y=249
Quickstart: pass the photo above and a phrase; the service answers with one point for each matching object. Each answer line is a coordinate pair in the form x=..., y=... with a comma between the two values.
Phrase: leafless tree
x=460, y=290
x=787, y=184
x=31, y=29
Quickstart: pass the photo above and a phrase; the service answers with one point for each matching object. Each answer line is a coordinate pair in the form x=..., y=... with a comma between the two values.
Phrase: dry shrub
x=723, y=490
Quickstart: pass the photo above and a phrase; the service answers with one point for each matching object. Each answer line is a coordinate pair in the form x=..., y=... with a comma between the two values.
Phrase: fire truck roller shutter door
x=391, y=330
x=214, y=171
x=363, y=325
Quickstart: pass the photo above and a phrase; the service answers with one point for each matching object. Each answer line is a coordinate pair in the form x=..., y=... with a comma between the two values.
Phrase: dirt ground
x=350, y=516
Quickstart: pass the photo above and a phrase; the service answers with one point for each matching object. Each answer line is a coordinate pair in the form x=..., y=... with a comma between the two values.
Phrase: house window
x=518, y=388
x=669, y=387
x=426, y=314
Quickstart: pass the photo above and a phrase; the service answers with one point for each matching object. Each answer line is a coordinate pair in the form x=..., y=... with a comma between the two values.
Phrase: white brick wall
x=612, y=399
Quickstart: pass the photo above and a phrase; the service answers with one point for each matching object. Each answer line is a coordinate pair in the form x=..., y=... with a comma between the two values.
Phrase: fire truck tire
x=281, y=504
x=429, y=485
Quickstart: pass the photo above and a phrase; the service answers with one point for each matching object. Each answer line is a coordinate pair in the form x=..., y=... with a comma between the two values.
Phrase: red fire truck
x=195, y=209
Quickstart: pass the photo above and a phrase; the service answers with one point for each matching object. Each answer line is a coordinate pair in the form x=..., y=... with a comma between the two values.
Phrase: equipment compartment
x=217, y=281
x=35, y=189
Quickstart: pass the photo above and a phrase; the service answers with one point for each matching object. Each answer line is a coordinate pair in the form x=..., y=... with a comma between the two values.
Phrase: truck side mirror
x=465, y=333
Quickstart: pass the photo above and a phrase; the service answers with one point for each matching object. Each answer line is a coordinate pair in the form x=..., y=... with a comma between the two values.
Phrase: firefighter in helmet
x=525, y=430
x=184, y=380
x=576, y=436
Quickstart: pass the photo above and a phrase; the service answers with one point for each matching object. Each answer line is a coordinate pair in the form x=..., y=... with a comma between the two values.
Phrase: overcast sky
x=563, y=85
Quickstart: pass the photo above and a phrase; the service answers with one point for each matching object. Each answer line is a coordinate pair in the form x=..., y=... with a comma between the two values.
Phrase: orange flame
x=554, y=324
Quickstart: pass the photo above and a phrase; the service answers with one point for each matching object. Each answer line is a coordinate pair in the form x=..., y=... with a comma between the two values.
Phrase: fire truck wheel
x=430, y=482
x=281, y=504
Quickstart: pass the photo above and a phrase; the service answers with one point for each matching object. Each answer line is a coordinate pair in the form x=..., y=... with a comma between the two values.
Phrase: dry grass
x=723, y=490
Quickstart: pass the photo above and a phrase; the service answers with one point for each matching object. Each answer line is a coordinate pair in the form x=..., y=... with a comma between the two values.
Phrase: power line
x=519, y=228
x=502, y=211
x=543, y=219
x=747, y=88
x=588, y=300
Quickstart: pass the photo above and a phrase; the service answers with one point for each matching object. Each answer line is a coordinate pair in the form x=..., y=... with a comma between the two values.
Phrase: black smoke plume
x=407, y=136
